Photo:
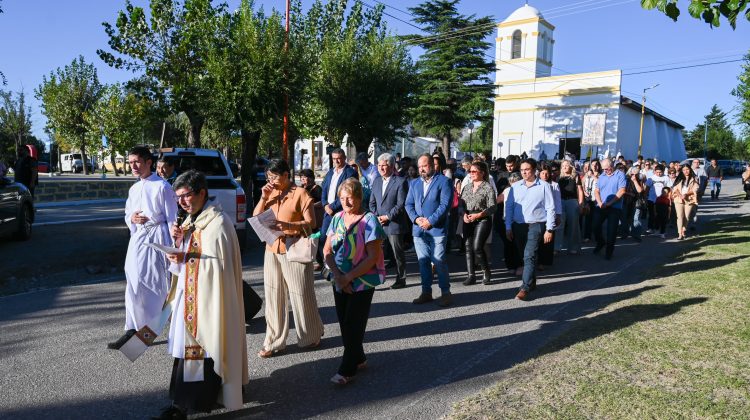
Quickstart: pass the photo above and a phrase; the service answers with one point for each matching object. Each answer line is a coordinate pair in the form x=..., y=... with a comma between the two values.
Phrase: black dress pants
x=396, y=245
x=475, y=239
x=198, y=396
x=352, y=310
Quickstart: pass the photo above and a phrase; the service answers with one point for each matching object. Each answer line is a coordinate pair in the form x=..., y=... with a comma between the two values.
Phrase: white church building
x=535, y=111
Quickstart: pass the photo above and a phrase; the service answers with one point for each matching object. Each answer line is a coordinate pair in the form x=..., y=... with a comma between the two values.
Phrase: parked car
x=16, y=209
x=221, y=183
x=42, y=167
x=739, y=166
x=726, y=166
x=689, y=161
x=73, y=162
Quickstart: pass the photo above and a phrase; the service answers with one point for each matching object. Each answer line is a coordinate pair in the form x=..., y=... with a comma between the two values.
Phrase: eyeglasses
x=186, y=195
x=474, y=171
x=272, y=177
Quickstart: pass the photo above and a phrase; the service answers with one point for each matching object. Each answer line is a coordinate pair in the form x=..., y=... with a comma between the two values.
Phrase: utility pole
x=643, y=111
x=285, y=134
x=705, y=141
x=471, y=132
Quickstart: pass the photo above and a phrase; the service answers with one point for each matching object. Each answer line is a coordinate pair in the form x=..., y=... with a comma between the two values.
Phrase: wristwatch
x=550, y=231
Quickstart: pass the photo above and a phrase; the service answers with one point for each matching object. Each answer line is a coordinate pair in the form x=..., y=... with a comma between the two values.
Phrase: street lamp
x=471, y=131
x=643, y=111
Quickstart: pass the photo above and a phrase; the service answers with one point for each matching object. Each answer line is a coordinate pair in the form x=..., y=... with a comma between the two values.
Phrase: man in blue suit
x=330, y=199
x=387, y=201
x=428, y=206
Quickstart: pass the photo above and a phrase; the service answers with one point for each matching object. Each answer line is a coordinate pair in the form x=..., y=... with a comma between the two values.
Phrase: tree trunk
x=447, y=144
x=194, y=136
x=112, y=161
x=250, y=141
x=83, y=159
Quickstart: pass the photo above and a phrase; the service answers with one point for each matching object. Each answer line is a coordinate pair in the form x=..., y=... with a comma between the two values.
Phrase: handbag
x=301, y=249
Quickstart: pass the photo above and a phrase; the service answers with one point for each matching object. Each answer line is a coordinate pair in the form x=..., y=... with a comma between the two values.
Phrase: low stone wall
x=79, y=190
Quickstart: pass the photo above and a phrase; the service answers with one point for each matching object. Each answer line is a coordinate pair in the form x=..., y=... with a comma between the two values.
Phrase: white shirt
x=426, y=185
x=385, y=184
x=334, y=181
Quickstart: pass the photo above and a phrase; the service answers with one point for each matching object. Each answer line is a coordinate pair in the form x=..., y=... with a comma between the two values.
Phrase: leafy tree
x=169, y=47
x=363, y=81
x=250, y=72
x=742, y=93
x=710, y=11
x=68, y=96
x=119, y=116
x=722, y=143
x=453, y=71
x=15, y=121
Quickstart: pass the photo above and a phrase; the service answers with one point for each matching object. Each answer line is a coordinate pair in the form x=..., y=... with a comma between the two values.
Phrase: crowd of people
x=365, y=214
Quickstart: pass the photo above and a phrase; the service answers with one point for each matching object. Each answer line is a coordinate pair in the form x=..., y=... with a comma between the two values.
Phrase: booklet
x=264, y=226
x=163, y=248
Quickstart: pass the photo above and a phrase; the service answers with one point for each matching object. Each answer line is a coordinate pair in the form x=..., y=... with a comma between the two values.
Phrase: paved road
x=81, y=212
x=422, y=358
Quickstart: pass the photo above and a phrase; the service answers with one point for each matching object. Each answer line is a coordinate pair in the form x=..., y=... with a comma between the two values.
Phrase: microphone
x=181, y=216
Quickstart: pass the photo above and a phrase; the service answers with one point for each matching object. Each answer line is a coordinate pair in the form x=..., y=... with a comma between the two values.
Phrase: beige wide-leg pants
x=282, y=277
x=684, y=213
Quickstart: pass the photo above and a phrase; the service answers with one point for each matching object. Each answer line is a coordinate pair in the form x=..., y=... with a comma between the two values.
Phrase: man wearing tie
x=428, y=205
x=387, y=203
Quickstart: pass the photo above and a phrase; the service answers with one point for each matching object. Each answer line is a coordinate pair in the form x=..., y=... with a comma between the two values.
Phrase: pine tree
x=453, y=71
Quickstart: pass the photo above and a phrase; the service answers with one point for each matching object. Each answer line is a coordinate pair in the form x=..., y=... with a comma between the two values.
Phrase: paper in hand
x=163, y=248
x=264, y=226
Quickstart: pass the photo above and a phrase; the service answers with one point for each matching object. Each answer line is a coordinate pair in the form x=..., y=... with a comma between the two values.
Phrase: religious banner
x=593, y=129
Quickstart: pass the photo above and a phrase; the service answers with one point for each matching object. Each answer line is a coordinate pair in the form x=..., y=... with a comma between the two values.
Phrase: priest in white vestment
x=150, y=211
x=207, y=331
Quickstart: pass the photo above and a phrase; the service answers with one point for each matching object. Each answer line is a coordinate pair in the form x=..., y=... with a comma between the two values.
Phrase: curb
x=78, y=203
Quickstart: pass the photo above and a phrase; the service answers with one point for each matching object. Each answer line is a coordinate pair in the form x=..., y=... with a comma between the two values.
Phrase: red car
x=42, y=167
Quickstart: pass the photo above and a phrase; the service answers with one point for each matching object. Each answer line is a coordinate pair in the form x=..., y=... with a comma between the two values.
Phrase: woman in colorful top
x=354, y=253
x=478, y=201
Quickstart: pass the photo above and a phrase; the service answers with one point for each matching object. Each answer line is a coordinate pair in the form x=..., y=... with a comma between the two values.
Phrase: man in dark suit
x=428, y=206
x=387, y=201
x=330, y=198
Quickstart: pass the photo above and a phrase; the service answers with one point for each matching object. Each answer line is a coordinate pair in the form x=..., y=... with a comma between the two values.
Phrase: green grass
x=681, y=349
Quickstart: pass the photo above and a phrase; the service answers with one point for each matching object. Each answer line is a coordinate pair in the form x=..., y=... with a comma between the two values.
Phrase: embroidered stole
x=194, y=353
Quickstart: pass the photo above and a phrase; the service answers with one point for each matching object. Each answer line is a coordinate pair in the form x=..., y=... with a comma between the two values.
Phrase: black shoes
x=423, y=298
x=398, y=285
x=115, y=345
x=469, y=281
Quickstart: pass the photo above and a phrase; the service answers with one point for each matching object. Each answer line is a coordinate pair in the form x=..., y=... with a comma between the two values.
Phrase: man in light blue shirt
x=608, y=192
x=529, y=216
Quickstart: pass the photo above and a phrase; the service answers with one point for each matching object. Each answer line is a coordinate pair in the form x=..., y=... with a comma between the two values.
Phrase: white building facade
x=535, y=111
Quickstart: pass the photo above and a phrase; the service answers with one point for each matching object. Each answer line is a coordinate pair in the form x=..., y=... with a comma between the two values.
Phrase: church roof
x=525, y=12
x=624, y=100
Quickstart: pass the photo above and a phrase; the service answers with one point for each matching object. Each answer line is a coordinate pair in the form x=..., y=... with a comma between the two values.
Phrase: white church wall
x=661, y=136
x=628, y=132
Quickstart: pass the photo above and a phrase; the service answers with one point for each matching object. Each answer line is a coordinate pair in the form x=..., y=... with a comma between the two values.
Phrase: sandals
x=312, y=346
x=265, y=354
x=341, y=380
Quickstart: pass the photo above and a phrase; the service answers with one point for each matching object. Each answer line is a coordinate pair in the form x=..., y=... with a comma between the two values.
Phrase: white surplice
x=145, y=267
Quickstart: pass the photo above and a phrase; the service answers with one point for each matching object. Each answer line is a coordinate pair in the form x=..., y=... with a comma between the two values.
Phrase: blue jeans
x=715, y=184
x=431, y=250
x=635, y=224
x=610, y=215
x=527, y=238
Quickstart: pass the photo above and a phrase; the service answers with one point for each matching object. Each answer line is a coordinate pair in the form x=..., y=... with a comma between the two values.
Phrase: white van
x=73, y=162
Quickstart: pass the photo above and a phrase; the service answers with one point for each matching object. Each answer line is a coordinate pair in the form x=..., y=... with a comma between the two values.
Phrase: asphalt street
x=422, y=359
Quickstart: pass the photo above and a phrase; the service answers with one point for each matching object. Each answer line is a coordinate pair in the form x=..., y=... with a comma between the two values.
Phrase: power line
x=682, y=67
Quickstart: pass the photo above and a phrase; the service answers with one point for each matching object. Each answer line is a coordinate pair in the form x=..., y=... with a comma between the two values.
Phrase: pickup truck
x=222, y=185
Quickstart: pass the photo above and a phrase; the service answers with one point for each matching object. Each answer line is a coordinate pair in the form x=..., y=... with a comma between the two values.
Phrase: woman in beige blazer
x=685, y=198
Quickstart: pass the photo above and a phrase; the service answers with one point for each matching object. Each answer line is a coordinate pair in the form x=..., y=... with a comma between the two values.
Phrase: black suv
x=16, y=209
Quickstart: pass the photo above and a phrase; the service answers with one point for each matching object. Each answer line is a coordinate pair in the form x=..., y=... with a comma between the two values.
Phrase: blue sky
x=590, y=35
